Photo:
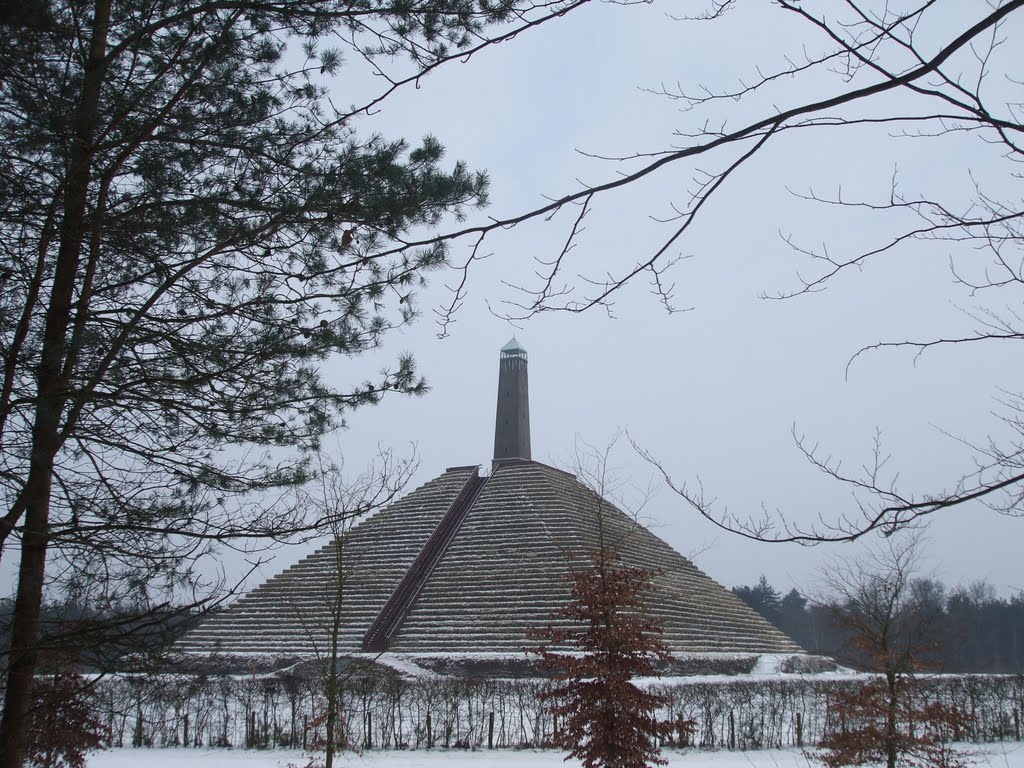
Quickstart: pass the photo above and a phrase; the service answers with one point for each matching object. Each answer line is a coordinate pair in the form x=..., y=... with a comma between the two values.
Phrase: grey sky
x=714, y=392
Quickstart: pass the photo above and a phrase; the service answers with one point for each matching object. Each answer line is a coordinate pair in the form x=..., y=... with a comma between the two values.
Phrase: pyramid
x=469, y=564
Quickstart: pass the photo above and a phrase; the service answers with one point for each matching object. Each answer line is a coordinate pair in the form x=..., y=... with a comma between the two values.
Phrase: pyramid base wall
x=485, y=665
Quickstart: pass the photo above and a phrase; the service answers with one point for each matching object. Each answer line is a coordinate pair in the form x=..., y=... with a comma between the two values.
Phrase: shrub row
x=389, y=712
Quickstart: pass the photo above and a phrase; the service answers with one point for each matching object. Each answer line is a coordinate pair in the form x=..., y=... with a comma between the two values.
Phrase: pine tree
x=607, y=721
x=794, y=619
x=189, y=227
x=762, y=597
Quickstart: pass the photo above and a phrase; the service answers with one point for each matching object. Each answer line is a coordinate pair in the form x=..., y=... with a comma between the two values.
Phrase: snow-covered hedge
x=388, y=711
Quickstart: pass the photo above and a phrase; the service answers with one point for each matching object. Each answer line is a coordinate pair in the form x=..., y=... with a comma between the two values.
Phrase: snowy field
x=1006, y=755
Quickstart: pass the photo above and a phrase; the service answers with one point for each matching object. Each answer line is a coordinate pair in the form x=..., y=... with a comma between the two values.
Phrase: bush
x=63, y=726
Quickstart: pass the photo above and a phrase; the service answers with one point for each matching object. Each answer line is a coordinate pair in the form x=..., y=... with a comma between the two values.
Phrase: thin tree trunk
x=891, y=740
x=332, y=674
x=52, y=395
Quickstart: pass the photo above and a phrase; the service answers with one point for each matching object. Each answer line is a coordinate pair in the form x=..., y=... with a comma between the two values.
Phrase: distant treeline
x=972, y=629
x=101, y=639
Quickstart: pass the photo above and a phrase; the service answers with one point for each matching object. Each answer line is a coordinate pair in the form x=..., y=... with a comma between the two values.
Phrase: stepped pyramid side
x=502, y=574
x=505, y=573
x=290, y=614
x=699, y=615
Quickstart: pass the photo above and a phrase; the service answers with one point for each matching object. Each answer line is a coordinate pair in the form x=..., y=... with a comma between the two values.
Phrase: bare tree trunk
x=52, y=395
x=891, y=737
x=332, y=672
x=332, y=691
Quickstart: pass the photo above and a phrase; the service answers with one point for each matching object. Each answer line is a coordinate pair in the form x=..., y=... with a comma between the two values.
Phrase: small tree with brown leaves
x=889, y=719
x=900, y=728
x=607, y=721
x=63, y=725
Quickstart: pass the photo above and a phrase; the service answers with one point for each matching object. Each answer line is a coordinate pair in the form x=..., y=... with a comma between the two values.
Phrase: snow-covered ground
x=1006, y=755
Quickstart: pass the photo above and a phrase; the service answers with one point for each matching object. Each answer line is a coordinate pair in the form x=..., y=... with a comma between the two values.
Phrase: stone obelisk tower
x=512, y=423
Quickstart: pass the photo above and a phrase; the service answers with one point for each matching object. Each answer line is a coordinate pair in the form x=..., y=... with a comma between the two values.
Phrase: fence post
x=369, y=729
x=732, y=730
x=184, y=740
x=1016, y=723
x=139, y=735
x=430, y=732
x=490, y=731
x=305, y=729
x=799, y=729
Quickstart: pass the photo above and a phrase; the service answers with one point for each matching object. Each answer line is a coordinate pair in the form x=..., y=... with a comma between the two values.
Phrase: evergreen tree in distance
x=188, y=228
x=762, y=597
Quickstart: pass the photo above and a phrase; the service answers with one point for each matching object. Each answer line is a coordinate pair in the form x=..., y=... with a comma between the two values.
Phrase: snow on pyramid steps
x=504, y=572
x=290, y=613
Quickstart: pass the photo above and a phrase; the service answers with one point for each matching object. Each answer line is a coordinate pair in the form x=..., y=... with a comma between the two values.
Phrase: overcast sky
x=716, y=391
